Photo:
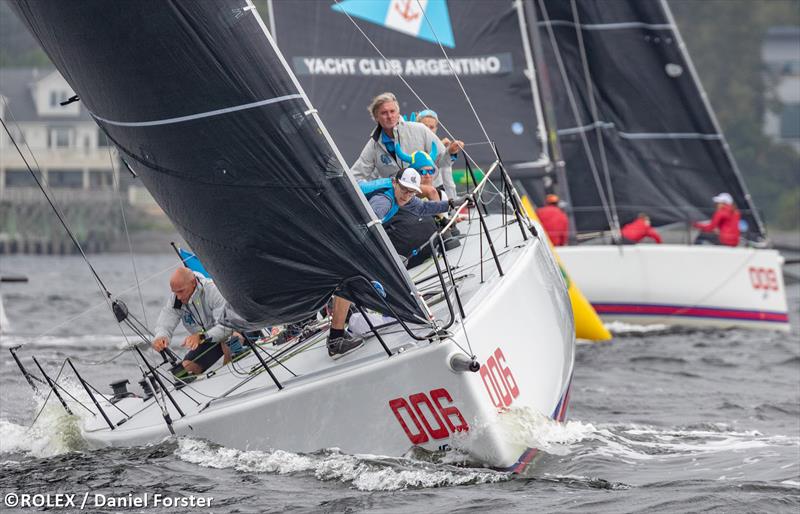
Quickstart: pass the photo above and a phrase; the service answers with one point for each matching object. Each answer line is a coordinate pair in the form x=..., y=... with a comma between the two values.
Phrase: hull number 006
x=428, y=416
x=499, y=381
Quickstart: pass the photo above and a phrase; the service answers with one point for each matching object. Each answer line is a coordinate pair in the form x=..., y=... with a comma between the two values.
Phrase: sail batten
x=200, y=103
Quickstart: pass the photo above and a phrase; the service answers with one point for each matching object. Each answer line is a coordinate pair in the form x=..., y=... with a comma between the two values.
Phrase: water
x=660, y=420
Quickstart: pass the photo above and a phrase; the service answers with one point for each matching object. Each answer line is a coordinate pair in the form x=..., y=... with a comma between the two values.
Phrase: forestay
x=206, y=114
x=342, y=71
x=640, y=109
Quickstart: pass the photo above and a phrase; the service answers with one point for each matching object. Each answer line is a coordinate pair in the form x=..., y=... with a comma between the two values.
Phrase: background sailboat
x=638, y=135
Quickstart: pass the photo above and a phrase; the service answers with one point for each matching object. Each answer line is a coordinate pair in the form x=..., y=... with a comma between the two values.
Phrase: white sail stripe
x=199, y=115
x=610, y=26
x=669, y=135
x=639, y=135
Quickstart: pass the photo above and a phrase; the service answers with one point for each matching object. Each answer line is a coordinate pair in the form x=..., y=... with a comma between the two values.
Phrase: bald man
x=197, y=303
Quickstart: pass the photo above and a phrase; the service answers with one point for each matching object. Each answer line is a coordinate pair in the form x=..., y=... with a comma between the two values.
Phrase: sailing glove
x=457, y=201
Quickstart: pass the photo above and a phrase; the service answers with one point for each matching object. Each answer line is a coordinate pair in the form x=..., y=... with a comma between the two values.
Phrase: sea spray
x=363, y=472
x=54, y=431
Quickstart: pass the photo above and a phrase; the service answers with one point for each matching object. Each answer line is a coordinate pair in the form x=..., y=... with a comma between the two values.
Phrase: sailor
x=430, y=119
x=638, y=229
x=723, y=229
x=197, y=303
x=379, y=158
x=386, y=196
x=423, y=163
x=554, y=220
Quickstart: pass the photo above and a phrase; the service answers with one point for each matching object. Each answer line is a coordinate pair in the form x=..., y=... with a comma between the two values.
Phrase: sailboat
x=637, y=134
x=208, y=115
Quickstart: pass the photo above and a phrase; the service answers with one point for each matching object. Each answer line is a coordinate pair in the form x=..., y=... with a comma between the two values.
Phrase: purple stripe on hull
x=632, y=309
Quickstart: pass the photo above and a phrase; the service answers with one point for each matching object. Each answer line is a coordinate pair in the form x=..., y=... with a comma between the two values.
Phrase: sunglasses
x=406, y=190
x=426, y=171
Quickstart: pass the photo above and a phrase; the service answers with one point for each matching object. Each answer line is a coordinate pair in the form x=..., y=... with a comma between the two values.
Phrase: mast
x=728, y=155
x=527, y=16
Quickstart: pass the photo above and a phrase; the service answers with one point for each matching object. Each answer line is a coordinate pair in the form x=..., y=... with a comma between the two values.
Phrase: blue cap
x=427, y=113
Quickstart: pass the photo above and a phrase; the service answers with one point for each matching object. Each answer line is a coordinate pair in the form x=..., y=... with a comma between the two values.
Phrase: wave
x=619, y=328
x=54, y=432
x=363, y=472
x=81, y=342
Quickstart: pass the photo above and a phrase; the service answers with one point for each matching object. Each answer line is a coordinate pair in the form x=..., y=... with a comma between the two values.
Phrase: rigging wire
x=595, y=118
x=574, y=107
x=115, y=178
x=402, y=78
x=455, y=75
x=57, y=212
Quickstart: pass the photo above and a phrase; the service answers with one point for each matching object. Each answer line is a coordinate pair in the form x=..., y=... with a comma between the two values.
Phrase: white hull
x=705, y=286
x=520, y=328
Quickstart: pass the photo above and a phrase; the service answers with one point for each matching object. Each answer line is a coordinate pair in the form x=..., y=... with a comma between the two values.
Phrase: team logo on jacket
x=385, y=159
x=422, y=19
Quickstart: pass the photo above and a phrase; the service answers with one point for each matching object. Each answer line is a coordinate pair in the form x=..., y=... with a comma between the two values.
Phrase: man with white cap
x=723, y=229
x=386, y=196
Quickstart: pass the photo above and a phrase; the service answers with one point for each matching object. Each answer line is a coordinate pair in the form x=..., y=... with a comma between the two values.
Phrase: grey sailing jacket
x=202, y=313
x=376, y=162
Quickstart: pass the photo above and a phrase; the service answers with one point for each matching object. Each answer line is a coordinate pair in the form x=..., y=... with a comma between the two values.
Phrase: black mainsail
x=632, y=119
x=342, y=71
x=206, y=113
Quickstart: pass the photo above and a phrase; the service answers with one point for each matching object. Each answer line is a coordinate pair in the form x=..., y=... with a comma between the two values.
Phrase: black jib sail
x=631, y=117
x=208, y=116
x=342, y=71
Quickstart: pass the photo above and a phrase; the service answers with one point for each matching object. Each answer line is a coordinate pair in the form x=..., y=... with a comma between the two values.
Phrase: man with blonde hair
x=380, y=158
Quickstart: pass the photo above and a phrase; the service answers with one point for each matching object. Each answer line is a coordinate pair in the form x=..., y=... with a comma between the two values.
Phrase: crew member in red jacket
x=723, y=229
x=638, y=229
x=554, y=220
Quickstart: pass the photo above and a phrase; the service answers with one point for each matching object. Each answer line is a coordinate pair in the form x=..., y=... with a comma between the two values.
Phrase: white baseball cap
x=723, y=198
x=410, y=179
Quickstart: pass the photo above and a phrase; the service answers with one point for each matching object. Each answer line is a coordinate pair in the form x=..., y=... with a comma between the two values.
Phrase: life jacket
x=638, y=229
x=555, y=223
x=382, y=186
x=728, y=222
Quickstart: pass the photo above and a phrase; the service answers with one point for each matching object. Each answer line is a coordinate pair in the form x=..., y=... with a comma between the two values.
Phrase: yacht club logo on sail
x=412, y=17
x=425, y=20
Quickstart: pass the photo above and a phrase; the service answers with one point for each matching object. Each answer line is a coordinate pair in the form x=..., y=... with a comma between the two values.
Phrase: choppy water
x=659, y=420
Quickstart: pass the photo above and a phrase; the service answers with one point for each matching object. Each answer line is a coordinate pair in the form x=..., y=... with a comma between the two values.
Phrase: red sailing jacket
x=555, y=223
x=726, y=219
x=638, y=229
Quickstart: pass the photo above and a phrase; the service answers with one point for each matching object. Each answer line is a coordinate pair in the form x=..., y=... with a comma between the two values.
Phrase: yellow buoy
x=587, y=323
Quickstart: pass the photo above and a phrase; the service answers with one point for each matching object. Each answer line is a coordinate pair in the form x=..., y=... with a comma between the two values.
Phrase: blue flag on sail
x=428, y=20
x=191, y=261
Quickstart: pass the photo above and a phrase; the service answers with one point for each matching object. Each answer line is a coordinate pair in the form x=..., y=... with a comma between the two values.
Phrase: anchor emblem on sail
x=407, y=11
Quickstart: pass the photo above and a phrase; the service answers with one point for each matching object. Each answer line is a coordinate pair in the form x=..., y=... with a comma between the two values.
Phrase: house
x=71, y=157
x=65, y=143
x=780, y=52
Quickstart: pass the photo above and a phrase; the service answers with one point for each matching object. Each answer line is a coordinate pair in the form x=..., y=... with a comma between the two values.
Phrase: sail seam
x=608, y=26
x=199, y=115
